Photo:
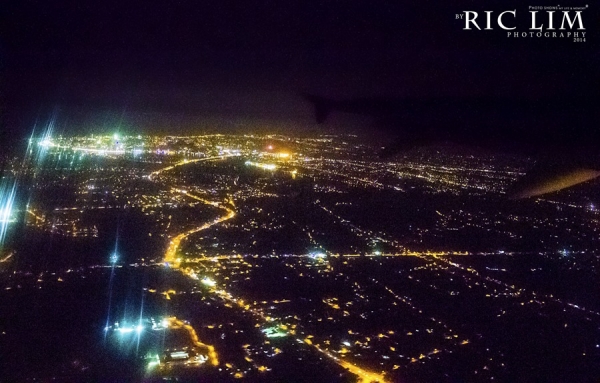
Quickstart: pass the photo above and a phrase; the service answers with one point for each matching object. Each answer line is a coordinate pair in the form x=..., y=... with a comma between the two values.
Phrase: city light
x=340, y=248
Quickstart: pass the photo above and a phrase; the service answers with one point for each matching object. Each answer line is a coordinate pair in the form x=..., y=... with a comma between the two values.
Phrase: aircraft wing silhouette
x=560, y=129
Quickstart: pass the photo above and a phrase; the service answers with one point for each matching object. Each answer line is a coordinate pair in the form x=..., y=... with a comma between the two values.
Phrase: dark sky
x=176, y=65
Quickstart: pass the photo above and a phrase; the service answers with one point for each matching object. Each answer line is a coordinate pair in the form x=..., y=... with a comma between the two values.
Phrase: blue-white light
x=7, y=198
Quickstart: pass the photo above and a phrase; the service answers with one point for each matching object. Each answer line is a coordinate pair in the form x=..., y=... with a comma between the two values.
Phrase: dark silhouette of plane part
x=561, y=131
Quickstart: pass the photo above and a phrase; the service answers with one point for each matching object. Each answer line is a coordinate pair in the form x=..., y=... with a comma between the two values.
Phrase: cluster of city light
x=124, y=331
x=355, y=173
x=279, y=331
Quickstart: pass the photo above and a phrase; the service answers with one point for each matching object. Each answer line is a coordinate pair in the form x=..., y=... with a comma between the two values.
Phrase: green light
x=274, y=332
x=154, y=362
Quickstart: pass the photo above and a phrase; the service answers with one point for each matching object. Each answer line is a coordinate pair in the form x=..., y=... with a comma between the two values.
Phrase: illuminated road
x=186, y=162
x=364, y=376
x=175, y=323
x=172, y=260
x=170, y=254
x=5, y=259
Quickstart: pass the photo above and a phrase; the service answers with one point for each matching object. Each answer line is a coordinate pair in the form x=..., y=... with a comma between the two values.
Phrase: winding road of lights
x=364, y=376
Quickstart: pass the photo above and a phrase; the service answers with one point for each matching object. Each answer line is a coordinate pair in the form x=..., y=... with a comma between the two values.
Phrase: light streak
x=5, y=259
x=261, y=165
x=7, y=198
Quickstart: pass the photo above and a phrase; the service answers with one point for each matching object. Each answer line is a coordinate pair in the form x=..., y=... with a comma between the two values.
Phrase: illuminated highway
x=186, y=162
x=175, y=323
x=363, y=375
x=171, y=253
x=172, y=260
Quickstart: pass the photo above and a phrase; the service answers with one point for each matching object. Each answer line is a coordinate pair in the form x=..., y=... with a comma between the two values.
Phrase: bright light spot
x=139, y=329
x=262, y=166
x=208, y=282
x=116, y=136
x=273, y=332
x=180, y=355
x=46, y=143
x=114, y=258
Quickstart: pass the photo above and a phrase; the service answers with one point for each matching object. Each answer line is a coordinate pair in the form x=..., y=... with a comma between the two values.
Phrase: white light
x=46, y=143
x=317, y=255
x=179, y=355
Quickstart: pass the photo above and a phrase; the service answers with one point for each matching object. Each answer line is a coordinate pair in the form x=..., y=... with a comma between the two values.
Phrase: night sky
x=183, y=66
